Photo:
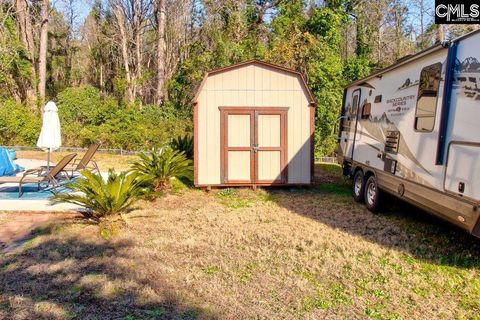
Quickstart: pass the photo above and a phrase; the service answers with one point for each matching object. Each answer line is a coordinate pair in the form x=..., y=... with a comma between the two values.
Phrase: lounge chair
x=86, y=163
x=40, y=176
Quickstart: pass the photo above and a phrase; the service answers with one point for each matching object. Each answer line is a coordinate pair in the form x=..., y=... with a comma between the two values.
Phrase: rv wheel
x=373, y=195
x=358, y=186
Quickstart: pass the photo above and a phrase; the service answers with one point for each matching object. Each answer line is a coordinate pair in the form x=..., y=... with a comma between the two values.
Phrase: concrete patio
x=28, y=205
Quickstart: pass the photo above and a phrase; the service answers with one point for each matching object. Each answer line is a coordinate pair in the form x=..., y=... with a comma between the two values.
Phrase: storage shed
x=253, y=125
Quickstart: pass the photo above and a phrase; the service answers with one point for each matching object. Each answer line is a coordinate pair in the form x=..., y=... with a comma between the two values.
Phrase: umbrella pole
x=48, y=159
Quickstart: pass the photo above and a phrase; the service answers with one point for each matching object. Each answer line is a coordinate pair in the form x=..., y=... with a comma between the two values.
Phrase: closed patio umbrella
x=50, y=138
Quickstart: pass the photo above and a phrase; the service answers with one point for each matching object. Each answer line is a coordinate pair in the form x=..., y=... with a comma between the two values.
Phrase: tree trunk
x=42, y=56
x=422, y=26
x=161, y=50
x=138, y=27
x=129, y=93
x=101, y=78
x=26, y=36
x=69, y=47
x=398, y=33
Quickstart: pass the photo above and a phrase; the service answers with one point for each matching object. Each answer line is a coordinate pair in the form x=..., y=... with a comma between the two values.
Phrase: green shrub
x=164, y=122
x=85, y=105
x=83, y=111
x=159, y=166
x=103, y=198
x=183, y=144
x=89, y=116
x=18, y=124
x=94, y=117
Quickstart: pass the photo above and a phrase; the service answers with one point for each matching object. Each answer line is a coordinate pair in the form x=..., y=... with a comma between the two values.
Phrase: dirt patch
x=17, y=228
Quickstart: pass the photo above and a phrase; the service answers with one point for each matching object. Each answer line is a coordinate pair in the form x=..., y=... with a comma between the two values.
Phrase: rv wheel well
x=354, y=172
x=368, y=174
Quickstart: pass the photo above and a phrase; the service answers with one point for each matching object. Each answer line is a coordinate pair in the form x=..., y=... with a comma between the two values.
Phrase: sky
x=81, y=8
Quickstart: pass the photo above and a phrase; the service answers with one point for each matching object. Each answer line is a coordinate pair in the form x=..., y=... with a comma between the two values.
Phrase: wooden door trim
x=282, y=112
x=224, y=149
x=253, y=111
x=239, y=148
x=272, y=148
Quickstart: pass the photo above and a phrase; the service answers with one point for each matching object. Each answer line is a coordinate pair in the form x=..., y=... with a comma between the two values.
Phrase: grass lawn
x=104, y=160
x=243, y=254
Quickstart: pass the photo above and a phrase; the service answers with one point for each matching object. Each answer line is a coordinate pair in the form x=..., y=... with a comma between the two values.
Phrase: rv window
x=427, y=97
x=355, y=105
x=367, y=107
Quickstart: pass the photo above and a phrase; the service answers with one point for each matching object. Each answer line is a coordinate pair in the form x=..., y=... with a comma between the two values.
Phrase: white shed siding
x=253, y=85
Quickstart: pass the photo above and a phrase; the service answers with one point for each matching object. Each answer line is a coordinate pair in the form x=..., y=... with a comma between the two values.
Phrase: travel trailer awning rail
x=446, y=103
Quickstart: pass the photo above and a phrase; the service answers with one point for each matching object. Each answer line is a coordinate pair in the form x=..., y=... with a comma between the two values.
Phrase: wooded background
x=125, y=74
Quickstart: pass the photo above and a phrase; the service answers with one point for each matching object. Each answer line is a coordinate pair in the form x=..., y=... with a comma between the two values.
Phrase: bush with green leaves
x=103, y=197
x=96, y=117
x=88, y=116
x=18, y=124
x=158, y=167
x=183, y=144
x=83, y=111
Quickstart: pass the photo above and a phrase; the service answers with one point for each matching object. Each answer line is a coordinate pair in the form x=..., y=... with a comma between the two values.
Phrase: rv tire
x=358, y=186
x=373, y=195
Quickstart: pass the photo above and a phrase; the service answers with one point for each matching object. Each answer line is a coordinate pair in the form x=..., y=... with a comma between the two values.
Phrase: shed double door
x=254, y=145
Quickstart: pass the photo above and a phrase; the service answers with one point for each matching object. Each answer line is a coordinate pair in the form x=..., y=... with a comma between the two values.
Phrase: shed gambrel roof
x=261, y=63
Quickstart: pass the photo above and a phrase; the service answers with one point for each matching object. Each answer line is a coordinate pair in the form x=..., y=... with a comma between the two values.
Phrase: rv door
x=349, y=124
x=462, y=171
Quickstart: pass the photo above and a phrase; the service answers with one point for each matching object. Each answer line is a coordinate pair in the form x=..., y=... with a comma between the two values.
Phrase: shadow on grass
x=75, y=279
x=399, y=226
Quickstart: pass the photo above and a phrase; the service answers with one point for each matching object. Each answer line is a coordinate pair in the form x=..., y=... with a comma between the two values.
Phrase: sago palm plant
x=103, y=198
x=159, y=166
x=183, y=143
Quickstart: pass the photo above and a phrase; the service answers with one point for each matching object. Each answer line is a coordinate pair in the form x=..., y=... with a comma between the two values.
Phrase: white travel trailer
x=413, y=130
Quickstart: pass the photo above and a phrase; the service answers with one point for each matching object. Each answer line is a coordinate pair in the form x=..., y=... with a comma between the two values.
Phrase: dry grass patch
x=238, y=253
x=104, y=160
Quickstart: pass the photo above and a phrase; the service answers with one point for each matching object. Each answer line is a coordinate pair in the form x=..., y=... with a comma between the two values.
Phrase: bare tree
x=398, y=13
x=94, y=47
x=26, y=36
x=161, y=50
x=139, y=21
x=69, y=8
x=421, y=17
x=42, y=56
x=120, y=16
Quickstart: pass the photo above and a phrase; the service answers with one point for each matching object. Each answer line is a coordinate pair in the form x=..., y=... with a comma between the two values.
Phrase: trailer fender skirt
x=476, y=229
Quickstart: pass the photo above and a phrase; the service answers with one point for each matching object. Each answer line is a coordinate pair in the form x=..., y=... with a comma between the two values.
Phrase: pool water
x=30, y=192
